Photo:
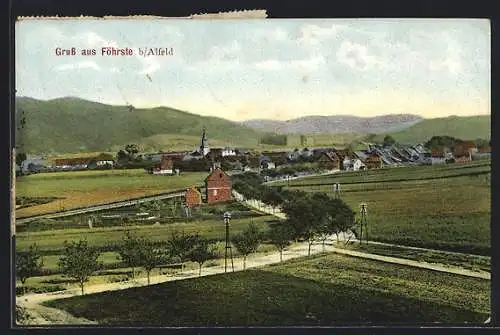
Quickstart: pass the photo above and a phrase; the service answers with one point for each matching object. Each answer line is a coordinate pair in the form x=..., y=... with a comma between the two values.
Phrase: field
x=463, y=127
x=325, y=290
x=443, y=207
x=85, y=188
x=53, y=240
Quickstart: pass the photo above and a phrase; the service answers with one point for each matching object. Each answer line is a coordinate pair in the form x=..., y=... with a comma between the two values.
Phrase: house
x=73, y=163
x=166, y=166
x=277, y=157
x=329, y=161
x=437, y=157
x=373, y=161
x=218, y=186
x=353, y=164
x=102, y=160
x=464, y=159
x=193, y=197
x=267, y=165
x=464, y=148
x=227, y=151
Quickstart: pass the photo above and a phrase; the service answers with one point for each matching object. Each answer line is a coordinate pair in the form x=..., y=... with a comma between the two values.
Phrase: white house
x=353, y=164
x=228, y=152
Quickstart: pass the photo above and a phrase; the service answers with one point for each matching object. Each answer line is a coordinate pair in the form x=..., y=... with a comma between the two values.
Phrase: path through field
x=44, y=315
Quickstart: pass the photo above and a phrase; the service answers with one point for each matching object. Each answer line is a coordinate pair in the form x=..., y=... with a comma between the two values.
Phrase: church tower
x=204, y=149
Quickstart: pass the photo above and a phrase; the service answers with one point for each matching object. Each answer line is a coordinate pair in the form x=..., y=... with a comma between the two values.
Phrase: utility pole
x=227, y=217
x=363, y=211
x=336, y=190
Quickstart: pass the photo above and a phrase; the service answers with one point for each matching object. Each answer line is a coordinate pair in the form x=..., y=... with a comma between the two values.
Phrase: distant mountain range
x=336, y=124
x=71, y=125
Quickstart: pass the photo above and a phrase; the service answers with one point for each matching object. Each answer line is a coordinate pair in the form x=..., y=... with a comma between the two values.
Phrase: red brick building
x=193, y=197
x=218, y=186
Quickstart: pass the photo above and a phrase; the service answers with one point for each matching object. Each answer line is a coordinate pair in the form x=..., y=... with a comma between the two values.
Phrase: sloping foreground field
x=86, y=188
x=445, y=207
x=325, y=290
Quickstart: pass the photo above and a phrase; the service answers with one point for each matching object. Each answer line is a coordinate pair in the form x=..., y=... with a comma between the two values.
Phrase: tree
x=248, y=241
x=79, y=261
x=340, y=217
x=180, y=245
x=28, y=264
x=20, y=158
x=202, y=251
x=280, y=235
x=128, y=251
x=122, y=157
x=150, y=257
x=132, y=150
x=389, y=140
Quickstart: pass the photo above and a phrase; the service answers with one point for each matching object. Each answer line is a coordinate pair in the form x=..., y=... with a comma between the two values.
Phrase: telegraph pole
x=336, y=190
x=363, y=211
x=227, y=217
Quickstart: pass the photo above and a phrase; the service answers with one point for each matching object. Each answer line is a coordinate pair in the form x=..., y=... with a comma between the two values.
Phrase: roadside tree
x=79, y=261
x=28, y=264
x=247, y=242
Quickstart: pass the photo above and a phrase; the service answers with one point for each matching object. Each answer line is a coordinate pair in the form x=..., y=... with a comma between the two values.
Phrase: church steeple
x=204, y=150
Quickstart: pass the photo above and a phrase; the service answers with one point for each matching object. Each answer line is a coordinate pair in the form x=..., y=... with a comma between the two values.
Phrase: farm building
x=437, y=157
x=218, y=186
x=464, y=148
x=72, y=163
x=373, y=161
x=353, y=164
x=166, y=166
x=329, y=160
x=193, y=197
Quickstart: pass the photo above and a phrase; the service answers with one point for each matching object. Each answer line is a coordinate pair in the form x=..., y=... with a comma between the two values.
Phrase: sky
x=273, y=69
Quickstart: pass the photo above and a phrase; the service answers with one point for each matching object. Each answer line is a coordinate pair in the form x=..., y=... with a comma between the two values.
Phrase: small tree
x=28, y=264
x=79, y=261
x=248, y=241
x=180, y=246
x=128, y=251
x=280, y=235
x=202, y=252
x=150, y=257
x=389, y=140
x=153, y=206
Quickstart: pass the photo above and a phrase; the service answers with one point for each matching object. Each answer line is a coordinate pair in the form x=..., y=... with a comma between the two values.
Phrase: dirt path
x=43, y=315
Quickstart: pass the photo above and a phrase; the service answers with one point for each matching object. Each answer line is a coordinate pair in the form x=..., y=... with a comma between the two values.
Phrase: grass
x=446, y=207
x=103, y=237
x=86, y=188
x=470, y=262
x=326, y=290
x=464, y=127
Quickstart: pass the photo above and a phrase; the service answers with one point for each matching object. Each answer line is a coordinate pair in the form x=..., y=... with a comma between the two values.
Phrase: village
x=274, y=164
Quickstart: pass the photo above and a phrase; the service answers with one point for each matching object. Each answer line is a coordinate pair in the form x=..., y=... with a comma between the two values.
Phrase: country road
x=46, y=315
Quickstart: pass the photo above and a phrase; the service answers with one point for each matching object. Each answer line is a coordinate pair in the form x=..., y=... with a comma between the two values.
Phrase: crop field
x=446, y=207
x=53, y=240
x=85, y=188
x=470, y=262
x=326, y=290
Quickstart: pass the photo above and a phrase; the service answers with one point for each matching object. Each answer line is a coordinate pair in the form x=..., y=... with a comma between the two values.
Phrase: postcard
x=183, y=172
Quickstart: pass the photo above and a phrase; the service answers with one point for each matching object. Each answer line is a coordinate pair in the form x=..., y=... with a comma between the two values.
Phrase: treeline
x=439, y=142
x=274, y=139
x=309, y=217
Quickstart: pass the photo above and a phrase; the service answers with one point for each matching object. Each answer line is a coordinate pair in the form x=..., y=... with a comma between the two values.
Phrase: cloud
x=276, y=34
x=77, y=66
x=313, y=34
x=355, y=56
x=311, y=63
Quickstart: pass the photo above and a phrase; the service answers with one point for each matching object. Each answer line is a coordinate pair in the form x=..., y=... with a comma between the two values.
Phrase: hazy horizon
x=265, y=69
x=267, y=119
